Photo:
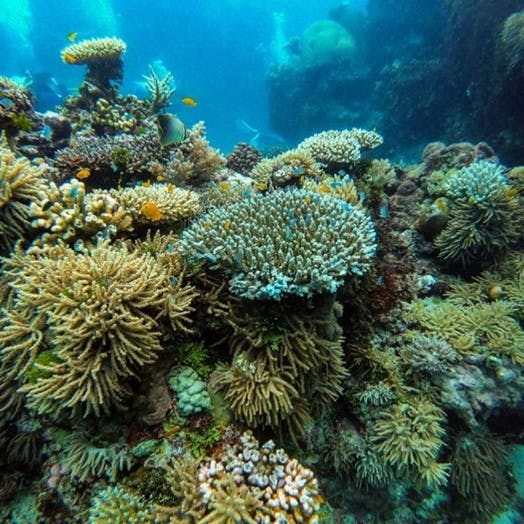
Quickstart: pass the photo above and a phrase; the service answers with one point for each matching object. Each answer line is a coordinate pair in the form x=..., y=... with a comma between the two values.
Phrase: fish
x=151, y=211
x=72, y=36
x=69, y=58
x=146, y=183
x=170, y=187
x=83, y=173
x=172, y=129
x=227, y=225
x=189, y=101
x=322, y=188
x=224, y=186
x=160, y=178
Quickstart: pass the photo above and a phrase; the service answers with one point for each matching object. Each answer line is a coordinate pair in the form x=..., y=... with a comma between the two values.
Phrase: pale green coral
x=116, y=505
x=191, y=391
x=285, y=242
x=484, y=216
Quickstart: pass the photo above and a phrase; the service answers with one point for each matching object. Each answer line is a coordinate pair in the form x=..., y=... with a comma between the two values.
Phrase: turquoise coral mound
x=286, y=242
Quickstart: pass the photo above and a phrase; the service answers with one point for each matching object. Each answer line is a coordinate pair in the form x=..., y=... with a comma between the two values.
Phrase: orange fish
x=69, y=58
x=188, y=101
x=83, y=173
x=151, y=211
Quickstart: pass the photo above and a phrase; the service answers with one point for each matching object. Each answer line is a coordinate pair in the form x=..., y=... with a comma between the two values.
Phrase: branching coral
x=16, y=105
x=99, y=311
x=160, y=90
x=67, y=214
x=194, y=161
x=408, y=436
x=286, y=242
x=340, y=149
x=119, y=506
x=173, y=204
x=484, y=218
x=256, y=395
x=21, y=184
x=481, y=478
x=285, y=169
x=339, y=185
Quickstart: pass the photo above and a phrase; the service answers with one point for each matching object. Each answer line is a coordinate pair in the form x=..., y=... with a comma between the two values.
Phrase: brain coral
x=285, y=242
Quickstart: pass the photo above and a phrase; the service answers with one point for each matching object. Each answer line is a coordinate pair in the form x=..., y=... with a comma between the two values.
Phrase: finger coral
x=21, y=184
x=98, y=324
x=171, y=203
x=340, y=149
x=484, y=216
x=286, y=242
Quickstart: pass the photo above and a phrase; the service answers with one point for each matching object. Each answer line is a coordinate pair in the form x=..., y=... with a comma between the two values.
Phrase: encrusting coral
x=285, y=242
x=21, y=185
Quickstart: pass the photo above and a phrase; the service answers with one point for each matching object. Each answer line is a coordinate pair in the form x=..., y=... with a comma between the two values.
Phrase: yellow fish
x=188, y=101
x=69, y=58
x=308, y=199
x=225, y=186
x=83, y=173
x=147, y=183
x=227, y=225
x=72, y=36
x=170, y=187
x=151, y=211
x=322, y=188
x=261, y=185
x=160, y=178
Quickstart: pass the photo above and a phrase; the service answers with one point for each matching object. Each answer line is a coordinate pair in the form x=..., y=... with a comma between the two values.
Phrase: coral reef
x=160, y=90
x=21, y=184
x=484, y=217
x=340, y=149
x=103, y=57
x=300, y=228
x=16, y=107
x=191, y=391
x=243, y=158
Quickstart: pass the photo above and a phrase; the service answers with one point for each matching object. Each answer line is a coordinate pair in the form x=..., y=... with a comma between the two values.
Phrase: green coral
x=481, y=478
x=409, y=437
x=484, y=216
x=191, y=391
x=286, y=242
x=119, y=506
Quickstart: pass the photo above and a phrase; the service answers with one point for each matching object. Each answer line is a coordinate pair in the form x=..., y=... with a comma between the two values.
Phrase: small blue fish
x=299, y=170
x=289, y=233
x=74, y=191
x=383, y=212
x=170, y=248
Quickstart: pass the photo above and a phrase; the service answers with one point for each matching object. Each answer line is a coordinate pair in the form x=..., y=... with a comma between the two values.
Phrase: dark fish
x=172, y=129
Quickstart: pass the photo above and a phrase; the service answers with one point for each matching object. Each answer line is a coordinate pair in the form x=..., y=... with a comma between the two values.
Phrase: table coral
x=286, y=242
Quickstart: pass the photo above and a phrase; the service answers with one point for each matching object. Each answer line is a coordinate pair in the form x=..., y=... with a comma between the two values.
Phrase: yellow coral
x=21, y=184
x=94, y=50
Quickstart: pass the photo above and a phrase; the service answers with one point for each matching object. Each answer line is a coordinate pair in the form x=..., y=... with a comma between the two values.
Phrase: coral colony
x=308, y=337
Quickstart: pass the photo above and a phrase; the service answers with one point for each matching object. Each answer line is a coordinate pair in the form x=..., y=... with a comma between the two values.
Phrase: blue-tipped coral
x=286, y=242
x=484, y=217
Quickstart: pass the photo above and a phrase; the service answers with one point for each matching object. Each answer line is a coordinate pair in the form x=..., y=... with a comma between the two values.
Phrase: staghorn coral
x=174, y=204
x=484, y=216
x=160, y=90
x=67, y=214
x=21, y=184
x=97, y=315
x=408, y=436
x=480, y=476
x=194, y=161
x=285, y=242
x=243, y=158
x=285, y=169
x=103, y=57
x=340, y=149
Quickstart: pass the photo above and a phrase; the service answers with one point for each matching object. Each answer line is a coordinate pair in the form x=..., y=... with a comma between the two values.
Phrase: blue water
x=218, y=51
